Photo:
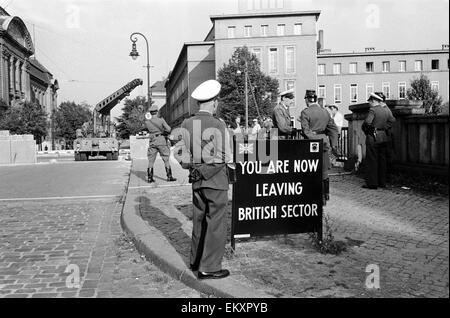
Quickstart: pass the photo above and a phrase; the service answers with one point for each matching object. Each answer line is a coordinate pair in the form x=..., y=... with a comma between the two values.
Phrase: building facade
x=22, y=77
x=344, y=79
x=291, y=50
x=195, y=64
x=284, y=42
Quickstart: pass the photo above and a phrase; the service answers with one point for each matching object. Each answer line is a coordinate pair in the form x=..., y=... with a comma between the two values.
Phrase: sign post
x=278, y=188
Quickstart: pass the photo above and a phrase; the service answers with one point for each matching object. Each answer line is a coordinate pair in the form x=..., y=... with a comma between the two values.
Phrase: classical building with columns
x=22, y=77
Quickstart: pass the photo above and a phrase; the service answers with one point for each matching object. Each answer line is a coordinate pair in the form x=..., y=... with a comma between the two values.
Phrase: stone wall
x=420, y=142
x=17, y=149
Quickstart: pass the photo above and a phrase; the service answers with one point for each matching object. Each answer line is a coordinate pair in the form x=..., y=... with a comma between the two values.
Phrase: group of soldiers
x=211, y=168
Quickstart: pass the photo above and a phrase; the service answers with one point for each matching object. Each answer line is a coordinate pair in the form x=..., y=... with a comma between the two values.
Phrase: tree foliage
x=27, y=118
x=68, y=117
x=132, y=119
x=261, y=88
x=421, y=90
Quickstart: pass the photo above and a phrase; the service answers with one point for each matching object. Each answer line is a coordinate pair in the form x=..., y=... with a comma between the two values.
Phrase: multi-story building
x=291, y=50
x=283, y=40
x=22, y=77
x=349, y=78
x=158, y=93
x=195, y=64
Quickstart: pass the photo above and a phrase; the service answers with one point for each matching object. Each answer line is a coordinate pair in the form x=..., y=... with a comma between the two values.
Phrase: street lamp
x=246, y=93
x=135, y=54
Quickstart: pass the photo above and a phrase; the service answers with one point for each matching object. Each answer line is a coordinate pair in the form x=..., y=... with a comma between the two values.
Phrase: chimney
x=322, y=45
x=370, y=49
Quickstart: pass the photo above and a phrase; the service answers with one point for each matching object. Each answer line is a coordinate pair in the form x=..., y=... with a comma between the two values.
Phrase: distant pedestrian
x=158, y=131
x=377, y=126
x=207, y=142
x=318, y=124
x=256, y=127
x=337, y=116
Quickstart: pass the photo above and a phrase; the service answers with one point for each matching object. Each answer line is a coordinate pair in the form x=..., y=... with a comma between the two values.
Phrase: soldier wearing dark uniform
x=205, y=149
x=377, y=127
x=317, y=124
x=158, y=129
x=281, y=117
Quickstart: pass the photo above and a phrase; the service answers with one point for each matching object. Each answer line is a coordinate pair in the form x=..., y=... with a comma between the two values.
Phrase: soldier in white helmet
x=209, y=150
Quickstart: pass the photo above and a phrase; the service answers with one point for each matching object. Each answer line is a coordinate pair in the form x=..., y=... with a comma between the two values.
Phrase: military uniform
x=206, y=159
x=377, y=127
x=317, y=124
x=158, y=129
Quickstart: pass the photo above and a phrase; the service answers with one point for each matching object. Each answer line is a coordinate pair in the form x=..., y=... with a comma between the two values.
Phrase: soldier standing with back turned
x=158, y=129
x=207, y=150
x=318, y=124
x=377, y=127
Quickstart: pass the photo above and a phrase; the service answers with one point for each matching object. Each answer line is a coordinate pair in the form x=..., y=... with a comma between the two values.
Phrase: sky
x=86, y=43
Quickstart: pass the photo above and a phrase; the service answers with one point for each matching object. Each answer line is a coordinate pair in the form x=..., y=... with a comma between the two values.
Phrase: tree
x=68, y=117
x=28, y=118
x=421, y=90
x=261, y=88
x=132, y=119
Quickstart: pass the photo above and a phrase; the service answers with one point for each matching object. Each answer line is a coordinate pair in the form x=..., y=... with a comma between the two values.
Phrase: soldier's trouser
x=325, y=164
x=209, y=229
x=164, y=152
x=376, y=155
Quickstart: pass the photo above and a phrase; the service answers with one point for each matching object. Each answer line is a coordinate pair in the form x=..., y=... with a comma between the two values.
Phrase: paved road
x=60, y=220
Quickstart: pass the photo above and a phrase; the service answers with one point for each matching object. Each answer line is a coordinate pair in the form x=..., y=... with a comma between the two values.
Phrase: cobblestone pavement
x=403, y=233
x=43, y=242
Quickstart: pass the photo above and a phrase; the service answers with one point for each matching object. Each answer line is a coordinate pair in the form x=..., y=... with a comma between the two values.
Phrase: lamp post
x=135, y=54
x=246, y=93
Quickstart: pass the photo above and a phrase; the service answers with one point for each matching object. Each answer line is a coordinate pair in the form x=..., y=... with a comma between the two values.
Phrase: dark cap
x=310, y=93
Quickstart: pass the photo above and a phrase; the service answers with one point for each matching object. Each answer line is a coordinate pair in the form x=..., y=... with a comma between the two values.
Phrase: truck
x=98, y=136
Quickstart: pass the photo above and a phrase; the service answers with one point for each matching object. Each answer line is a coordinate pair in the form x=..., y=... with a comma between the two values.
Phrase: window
x=337, y=93
x=418, y=65
x=369, y=90
x=298, y=29
x=321, y=91
x=264, y=29
x=290, y=60
x=386, y=87
x=290, y=84
x=434, y=64
x=402, y=66
x=435, y=86
x=248, y=31
x=280, y=29
x=401, y=90
x=337, y=68
x=321, y=69
x=257, y=52
x=386, y=66
x=353, y=68
x=231, y=32
x=273, y=60
x=353, y=93
x=369, y=67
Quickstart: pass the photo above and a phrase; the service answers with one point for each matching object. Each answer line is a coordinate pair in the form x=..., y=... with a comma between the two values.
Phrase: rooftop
x=264, y=15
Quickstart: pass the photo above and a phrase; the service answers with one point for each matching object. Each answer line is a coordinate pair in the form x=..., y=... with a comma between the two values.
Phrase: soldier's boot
x=150, y=175
x=170, y=178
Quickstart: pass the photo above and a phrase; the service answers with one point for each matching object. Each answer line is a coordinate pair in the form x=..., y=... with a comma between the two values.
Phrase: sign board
x=278, y=187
